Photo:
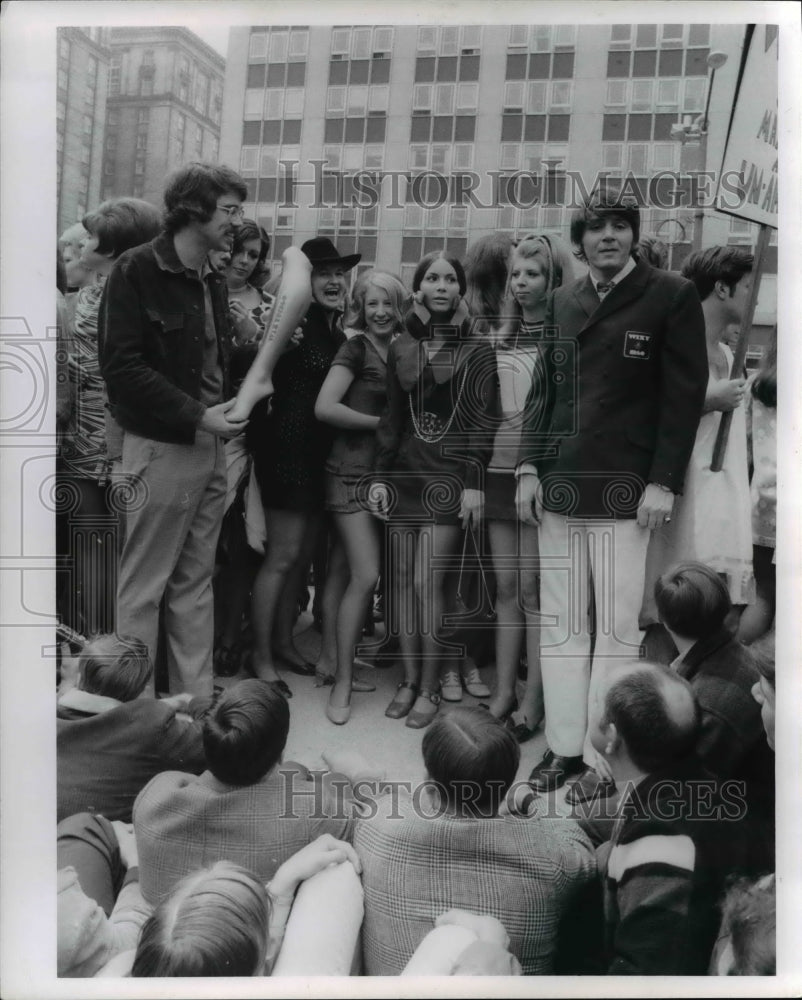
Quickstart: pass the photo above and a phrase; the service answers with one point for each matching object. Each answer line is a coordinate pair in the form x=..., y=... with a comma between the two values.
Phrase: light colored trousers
x=173, y=522
x=580, y=558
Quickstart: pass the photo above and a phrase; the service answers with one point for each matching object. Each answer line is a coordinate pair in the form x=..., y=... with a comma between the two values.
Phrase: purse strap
x=469, y=531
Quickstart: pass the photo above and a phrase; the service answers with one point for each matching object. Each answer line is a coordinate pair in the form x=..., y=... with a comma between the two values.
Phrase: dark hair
x=427, y=262
x=115, y=666
x=192, y=191
x=692, y=600
x=473, y=758
x=764, y=385
x=749, y=919
x=655, y=733
x=245, y=732
x=122, y=223
x=724, y=263
x=215, y=923
x=605, y=201
x=486, y=264
x=249, y=230
x=653, y=251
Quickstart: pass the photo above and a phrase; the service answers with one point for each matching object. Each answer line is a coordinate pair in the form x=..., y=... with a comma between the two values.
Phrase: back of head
x=486, y=274
x=245, y=732
x=653, y=251
x=192, y=191
x=749, y=918
x=655, y=712
x=473, y=758
x=115, y=666
x=722, y=263
x=692, y=600
x=122, y=223
x=609, y=198
x=214, y=924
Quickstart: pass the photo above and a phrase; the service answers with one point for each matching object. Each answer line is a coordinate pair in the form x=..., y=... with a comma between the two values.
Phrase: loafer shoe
x=554, y=770
x=589, y=787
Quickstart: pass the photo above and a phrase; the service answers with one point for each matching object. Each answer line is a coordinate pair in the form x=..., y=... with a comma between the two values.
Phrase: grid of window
x=541, y=37
x=658, y=50
x=517, y=127
x=637, y=127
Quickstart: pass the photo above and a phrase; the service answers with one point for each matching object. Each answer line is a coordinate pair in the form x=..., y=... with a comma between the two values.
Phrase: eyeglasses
x=233, y=211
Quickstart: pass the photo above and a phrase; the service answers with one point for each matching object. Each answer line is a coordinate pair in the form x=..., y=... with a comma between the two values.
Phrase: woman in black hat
x=290, y=448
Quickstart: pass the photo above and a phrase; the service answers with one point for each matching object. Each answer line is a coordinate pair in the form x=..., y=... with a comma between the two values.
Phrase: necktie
x=603, y=288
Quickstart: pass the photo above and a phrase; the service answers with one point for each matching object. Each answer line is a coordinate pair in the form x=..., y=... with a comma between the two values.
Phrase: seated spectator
x=247, y=808
x=446, y=846
x=674, y=842
x=109, y=741
x=693, y=603
x=747, y=945
x=224, y=921
x=99, y=910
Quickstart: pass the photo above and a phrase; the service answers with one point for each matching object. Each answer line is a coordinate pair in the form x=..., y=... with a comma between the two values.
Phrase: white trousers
x=579, y=560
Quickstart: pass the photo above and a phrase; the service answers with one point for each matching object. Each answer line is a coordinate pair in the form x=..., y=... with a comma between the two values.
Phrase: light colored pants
x=172, y=524
x=580, y=558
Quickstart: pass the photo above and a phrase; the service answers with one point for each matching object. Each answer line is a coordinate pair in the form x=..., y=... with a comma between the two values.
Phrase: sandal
x=358, y=684
x=399, y=707
x=420, y=720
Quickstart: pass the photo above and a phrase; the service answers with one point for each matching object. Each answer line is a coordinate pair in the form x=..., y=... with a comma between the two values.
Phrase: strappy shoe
x=399, y=707
x=358, y=684
x=420, y=720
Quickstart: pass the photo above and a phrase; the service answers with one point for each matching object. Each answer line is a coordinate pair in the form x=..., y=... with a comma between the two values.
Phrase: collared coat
x=625, y=390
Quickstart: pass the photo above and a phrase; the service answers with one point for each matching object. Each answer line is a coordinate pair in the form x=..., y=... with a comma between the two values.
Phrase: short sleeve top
x=353, y=450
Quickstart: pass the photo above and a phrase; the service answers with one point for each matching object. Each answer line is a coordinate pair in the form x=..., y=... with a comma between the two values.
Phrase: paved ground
x=387, y=742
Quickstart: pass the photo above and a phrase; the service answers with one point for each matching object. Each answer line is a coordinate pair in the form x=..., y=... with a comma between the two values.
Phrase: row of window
x=360, y=71
x=540, y=66
x=276, y=75
x=357, y=100
x=447, y=69
x=648, y=36
x=517, y=127
x=278, y=103
x=537, y=96
x=279, y=45
x=654, y=95
x=651, y=62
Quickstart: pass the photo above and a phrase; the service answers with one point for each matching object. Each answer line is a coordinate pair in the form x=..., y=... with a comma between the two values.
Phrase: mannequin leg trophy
x=292, y=301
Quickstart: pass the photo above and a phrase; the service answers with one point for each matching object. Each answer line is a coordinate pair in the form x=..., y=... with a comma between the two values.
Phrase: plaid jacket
x=183, y=823
x=521, y=870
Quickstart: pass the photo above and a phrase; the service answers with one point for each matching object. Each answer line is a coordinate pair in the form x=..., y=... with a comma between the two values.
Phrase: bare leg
x=403, y=542
x=292, y=301
x=286, y=531
x=333, y=590
x=283, y=643
x=360, y=535
x=509, y=614
x=437, y=539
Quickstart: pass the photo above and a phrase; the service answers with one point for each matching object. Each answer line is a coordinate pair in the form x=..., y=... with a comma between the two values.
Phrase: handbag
x=472, y=622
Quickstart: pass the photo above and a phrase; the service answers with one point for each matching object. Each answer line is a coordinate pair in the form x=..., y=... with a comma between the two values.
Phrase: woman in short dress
x=434, y=443
x=351, y=400
x=289, y=449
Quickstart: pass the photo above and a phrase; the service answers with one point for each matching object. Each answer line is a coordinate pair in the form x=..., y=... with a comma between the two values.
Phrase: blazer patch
x=637, y=344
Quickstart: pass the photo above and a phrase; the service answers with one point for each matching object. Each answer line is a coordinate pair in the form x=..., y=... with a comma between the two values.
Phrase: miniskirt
x=347, y=493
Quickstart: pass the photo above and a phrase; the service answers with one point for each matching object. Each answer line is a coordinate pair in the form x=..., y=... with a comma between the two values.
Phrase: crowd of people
x=527, y=437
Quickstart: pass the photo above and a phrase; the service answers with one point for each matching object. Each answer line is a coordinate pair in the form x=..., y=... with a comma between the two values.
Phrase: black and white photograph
x=400, y=547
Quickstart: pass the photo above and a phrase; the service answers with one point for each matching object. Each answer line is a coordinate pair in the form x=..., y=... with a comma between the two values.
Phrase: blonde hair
x=398, y=295
x=556, y=262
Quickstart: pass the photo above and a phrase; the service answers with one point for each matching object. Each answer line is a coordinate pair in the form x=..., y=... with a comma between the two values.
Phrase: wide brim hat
x=320, y=250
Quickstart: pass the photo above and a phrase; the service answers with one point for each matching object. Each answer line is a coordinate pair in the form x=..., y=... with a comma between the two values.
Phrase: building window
x=146, y=86
x=142, y=116
x=64, y=48
x=467, y=96
x=277, y=52
x=293, y=102
x=299, y=43
x=427, y=38
x=253, y=103
x=63, y=79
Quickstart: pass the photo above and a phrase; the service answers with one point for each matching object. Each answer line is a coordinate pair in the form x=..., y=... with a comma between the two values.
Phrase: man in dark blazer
x=625, y=349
